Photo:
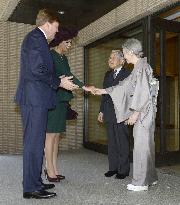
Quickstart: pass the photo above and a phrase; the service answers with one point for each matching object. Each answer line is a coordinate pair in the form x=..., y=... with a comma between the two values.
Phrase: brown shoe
x=51, y=179
x=60, y=176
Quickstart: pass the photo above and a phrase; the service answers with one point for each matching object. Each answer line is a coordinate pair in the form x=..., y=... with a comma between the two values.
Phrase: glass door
x=165, y=54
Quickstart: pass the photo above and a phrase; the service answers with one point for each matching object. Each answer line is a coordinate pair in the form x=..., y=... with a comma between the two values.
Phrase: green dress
x=57, y=117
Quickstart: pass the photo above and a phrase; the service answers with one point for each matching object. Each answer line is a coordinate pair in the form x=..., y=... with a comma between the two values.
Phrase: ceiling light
x=61, y=12
x=173, y=16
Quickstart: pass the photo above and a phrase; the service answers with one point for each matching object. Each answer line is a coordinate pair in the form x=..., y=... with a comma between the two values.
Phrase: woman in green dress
x=57, y=117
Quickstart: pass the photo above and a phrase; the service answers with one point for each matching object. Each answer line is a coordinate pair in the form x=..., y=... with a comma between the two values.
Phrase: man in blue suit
x=36, y=93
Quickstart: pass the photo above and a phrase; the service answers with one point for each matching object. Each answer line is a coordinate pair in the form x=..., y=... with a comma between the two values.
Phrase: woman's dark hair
x=63, y=34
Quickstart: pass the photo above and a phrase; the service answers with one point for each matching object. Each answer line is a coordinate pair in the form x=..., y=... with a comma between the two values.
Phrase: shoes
x=154, y=183
x=60, y=176
x=47, y=186
x=132, y=187
x=38, y=195
x=121, y=176
x=110, y=173
x=51, y=179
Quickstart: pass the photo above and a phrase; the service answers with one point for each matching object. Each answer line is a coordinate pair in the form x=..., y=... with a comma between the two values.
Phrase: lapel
x=47, y=57
x=119, y=77
x=109, y=79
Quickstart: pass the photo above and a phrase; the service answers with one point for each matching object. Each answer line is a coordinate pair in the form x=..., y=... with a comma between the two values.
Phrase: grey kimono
x=137, y=93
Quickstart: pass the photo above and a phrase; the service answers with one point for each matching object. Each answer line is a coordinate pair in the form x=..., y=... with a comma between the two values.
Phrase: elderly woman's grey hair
x=133, y=45
x=119, y=54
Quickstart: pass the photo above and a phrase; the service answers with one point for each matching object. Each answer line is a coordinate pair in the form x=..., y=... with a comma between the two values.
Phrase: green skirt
x=57, y=118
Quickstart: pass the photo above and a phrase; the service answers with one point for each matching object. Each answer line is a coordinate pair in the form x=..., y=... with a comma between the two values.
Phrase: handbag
x=71, y=114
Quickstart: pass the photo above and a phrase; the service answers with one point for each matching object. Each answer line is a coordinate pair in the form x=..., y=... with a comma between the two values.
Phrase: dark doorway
x=165, y=54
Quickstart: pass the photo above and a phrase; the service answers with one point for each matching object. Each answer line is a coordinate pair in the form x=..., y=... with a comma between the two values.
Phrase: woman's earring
x=131, y=52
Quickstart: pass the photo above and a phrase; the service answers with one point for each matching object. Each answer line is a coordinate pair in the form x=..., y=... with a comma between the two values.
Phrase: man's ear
x=47, y=24
x=122, y=62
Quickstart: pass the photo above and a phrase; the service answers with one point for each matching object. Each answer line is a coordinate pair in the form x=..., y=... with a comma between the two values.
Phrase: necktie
x=114, y=73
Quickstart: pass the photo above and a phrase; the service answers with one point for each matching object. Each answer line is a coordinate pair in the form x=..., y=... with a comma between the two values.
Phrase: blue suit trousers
x=34, y=131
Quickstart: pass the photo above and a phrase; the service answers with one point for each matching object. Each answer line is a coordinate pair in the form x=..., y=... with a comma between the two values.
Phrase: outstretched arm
x=88, y=88
x=98, y=91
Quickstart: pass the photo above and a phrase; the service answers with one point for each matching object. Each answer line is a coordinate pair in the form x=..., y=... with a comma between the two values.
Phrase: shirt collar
x=43, y=32
x=117, y=70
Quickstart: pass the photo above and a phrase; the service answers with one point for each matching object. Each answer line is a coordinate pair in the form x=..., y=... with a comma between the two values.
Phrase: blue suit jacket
x=37, y=80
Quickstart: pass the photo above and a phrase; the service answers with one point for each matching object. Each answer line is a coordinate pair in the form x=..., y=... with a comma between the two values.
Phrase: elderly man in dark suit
x=36, y=93
x=118, y=144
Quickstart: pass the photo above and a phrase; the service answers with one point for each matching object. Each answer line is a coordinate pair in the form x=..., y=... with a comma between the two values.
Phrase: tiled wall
x=7, y=7
x=128, y=12
x=11, y=35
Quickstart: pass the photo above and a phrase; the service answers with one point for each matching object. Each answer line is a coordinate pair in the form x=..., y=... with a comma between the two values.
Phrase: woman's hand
x=88, y=88
x=133, y=118
x=97, y=91
x=100, y=117
x=66, y=83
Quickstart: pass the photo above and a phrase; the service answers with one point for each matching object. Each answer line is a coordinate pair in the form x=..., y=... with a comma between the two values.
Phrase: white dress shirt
x=116, y=71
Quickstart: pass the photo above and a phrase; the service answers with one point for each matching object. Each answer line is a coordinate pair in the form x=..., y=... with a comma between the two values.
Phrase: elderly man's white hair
x=119, y=54
x=133, y=45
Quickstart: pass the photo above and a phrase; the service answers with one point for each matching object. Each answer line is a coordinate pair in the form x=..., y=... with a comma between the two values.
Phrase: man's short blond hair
x=46, y=15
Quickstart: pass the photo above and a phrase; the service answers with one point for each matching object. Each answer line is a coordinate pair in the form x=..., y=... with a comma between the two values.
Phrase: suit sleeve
x=75, y=79
x=141, y=96
x=119, y=95
x=67, y=71
x=39, y=69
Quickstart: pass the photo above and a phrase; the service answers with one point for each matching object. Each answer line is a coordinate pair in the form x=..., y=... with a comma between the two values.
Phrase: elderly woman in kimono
x=135, y=104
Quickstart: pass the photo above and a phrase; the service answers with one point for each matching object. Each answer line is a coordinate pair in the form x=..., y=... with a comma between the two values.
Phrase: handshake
x=94, y=90
x=67, y=83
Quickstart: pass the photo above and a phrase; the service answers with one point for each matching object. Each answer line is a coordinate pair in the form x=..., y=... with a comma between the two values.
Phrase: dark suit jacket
x=107, y=107
x=37, y=80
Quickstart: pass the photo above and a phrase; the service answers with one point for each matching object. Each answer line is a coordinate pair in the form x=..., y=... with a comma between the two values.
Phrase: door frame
x=162, y=26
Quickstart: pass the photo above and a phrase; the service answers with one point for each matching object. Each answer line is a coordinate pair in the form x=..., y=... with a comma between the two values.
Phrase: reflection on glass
x=172, y=98
x=97, y=66
x=171, y=92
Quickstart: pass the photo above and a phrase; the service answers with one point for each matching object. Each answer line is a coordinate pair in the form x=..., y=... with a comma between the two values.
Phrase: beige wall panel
x=11, y=37
x=7, y=7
